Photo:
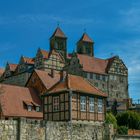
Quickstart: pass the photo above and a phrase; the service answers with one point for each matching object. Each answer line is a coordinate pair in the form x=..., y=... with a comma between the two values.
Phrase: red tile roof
x=44, y=53
x=86, y=38
x=59, y=33
x=76, y=83
x=92, y=64
x=28, y=60
x=47, y=79
x=12, y=101
x=1, y=71
x=12, y=67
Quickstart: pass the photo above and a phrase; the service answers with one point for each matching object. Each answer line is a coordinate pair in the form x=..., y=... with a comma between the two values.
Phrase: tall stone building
x=109, y=75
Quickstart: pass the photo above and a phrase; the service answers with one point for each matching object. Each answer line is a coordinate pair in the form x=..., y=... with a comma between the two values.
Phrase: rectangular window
x=97, y=77
x=83, y=103
x=29, y=108
x=100, y=105
x=88, y=75
x=37, y=108
x=56, y=103
x=91, y=76
x=91, y=104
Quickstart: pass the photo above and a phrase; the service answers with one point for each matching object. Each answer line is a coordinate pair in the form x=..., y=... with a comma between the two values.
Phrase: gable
x=35, y=82
x=74, y=66
x=118, y=67
x=55, y=61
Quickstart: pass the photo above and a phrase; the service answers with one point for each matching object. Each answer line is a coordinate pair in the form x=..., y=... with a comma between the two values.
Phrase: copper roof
x=76, y=83
x=59, y=33
x=92, y=64
x=28, y=60
x=86, y=38
x=47, y=80
x=12, y=99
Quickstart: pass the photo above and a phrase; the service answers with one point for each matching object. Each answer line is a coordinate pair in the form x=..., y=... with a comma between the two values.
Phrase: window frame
x=83, y=103
x=56, y=103
x=100, y=105
x=91, y=104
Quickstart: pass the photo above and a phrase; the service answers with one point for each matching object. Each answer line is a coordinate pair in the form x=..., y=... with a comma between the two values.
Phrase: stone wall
x=8, y=130
x=74, y=131
x=40, y=130
x=127, y=138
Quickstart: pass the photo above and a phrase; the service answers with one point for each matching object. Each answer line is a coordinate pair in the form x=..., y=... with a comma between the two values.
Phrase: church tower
x=58, y=42
x=85, y=45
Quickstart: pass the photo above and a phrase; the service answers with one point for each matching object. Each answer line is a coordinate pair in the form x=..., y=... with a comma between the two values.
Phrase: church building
x=109, y=75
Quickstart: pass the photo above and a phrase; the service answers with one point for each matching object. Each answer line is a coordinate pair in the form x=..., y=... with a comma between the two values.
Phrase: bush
x=122, y=130
x=110, y=119
x=129, y=119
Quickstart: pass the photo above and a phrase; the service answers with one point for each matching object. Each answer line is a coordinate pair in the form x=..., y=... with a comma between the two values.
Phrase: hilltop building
x=109, y=75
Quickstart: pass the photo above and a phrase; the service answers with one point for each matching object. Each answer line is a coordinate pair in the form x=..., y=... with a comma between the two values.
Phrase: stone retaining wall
x=127, y=138
x=40, y=130
x=8, y=130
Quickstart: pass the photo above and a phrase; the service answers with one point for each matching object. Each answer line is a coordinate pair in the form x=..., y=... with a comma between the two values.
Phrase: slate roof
x=12, y=100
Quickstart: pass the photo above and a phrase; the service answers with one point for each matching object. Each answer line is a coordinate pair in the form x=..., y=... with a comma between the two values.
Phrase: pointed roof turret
x=86, y=38
x=58, y=33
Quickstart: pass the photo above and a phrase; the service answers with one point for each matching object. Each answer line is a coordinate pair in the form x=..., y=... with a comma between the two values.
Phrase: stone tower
x=58, y=42
x=85, y=45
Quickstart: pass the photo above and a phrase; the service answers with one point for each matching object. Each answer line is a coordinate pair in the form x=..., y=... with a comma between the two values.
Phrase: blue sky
x=113, y=25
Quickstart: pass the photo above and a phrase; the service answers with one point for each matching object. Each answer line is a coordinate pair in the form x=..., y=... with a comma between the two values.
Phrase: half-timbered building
x=109, y=75
x=74, y=98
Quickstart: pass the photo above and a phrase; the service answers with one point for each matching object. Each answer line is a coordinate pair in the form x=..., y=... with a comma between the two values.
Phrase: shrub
x=130, y=119
x=122, y=130
x=110, y=118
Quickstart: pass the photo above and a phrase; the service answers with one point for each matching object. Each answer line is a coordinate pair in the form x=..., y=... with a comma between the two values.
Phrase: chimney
x=52, y=73
x=63, y=75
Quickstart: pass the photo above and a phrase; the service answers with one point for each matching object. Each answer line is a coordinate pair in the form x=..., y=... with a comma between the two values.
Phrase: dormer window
x=37, y=108
x=29, y=107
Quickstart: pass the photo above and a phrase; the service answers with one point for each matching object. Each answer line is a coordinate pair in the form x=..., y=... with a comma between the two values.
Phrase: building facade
x=109, y=75
x=74, y=98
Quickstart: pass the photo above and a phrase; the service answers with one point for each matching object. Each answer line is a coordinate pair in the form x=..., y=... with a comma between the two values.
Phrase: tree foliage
x=122, y=130
x=129, y=119
x=114, y=107
x=110, y=118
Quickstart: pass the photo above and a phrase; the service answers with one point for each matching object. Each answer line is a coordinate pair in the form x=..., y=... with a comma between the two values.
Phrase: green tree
x=110, y=118
x=122, y=130
x=129, y=119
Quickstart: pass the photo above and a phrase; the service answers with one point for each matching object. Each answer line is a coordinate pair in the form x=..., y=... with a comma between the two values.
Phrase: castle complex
x=108, y=75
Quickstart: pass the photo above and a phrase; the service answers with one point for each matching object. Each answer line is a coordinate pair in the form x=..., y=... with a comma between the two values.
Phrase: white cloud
x=44, y=18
